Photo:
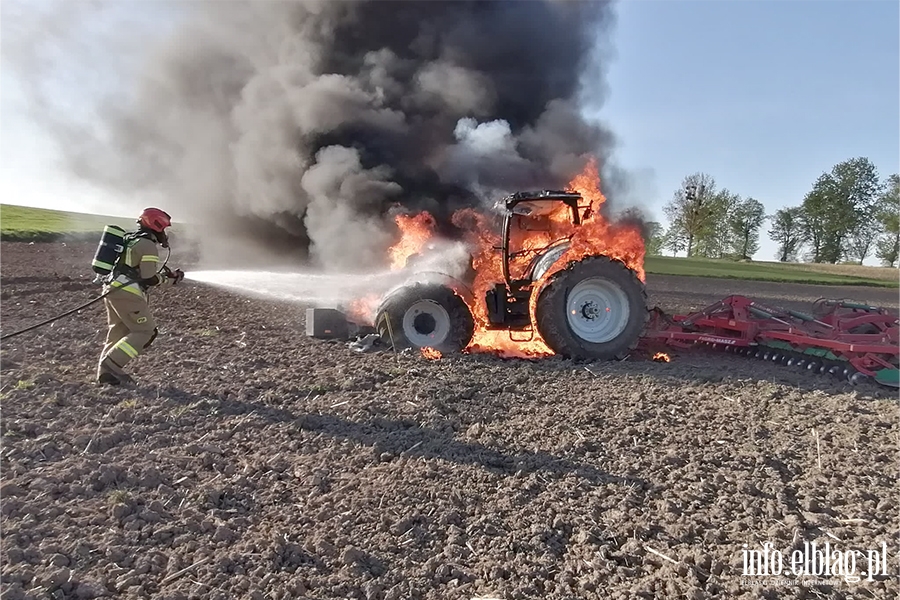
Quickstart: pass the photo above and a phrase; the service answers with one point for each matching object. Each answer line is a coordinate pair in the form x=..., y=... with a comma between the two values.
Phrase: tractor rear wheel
x=595, y=308
x=425, y=315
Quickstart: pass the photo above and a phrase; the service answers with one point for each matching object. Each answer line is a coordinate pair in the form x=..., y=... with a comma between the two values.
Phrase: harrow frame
x=841, y=336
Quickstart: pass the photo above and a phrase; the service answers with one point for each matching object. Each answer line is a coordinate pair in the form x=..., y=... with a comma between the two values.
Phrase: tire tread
x=552, y=323
x=462, y=325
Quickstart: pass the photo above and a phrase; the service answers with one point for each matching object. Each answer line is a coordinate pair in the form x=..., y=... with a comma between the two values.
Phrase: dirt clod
x=284, y=467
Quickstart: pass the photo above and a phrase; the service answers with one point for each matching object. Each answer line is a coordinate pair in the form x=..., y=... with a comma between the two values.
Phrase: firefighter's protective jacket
x=138, y=266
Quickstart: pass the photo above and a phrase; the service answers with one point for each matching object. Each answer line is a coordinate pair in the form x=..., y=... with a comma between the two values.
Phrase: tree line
x=847, y=216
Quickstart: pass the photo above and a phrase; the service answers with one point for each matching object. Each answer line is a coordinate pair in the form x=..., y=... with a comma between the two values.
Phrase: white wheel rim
x=597, y=310
x=426, y=323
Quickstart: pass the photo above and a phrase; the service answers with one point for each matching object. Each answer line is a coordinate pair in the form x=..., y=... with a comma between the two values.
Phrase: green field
x=23, y=223
x=19, y=223
x=774, y=271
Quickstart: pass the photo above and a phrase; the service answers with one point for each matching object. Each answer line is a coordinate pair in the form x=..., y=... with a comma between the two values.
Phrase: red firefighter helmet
x=155, y=219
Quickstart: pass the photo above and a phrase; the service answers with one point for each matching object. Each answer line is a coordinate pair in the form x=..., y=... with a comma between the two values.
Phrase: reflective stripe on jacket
x=143, y=259
x=122, y=282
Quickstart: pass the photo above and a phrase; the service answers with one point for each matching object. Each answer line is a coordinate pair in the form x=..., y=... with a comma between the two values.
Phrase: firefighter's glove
x=176, y=275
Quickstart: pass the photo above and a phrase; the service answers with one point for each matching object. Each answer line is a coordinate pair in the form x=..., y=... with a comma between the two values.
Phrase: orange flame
x=431, y=353
x=595, y=235
x=661, y=357
x=415, y=231
x=362, y=310
x=483, y=237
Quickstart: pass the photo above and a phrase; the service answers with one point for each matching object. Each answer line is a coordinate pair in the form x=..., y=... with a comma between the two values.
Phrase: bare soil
x=253, y=462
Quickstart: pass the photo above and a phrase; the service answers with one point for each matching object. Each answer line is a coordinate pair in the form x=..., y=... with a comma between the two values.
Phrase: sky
x=764, y=95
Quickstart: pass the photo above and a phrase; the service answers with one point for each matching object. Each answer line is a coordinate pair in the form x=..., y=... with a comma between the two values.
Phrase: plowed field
x=253, y=462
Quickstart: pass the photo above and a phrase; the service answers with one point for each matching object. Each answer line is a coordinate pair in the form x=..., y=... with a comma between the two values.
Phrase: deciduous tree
x=864, y=236
x=690, y=210
x=787, y=232
x=744, y=222
x=653, y=232
x=714, y=239
x=887, y=247
x=674, y=239
x=832, y=209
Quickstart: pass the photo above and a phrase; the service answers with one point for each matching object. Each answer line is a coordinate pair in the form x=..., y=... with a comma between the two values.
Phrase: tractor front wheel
x=595, y=309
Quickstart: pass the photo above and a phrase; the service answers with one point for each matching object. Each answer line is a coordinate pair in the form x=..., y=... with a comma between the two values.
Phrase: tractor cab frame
x=508, y=302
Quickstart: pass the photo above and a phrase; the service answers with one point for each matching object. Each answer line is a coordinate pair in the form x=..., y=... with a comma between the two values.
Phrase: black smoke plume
x=302, y=123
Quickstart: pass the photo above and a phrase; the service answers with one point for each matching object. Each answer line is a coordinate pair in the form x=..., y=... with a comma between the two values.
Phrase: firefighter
x=131, y=325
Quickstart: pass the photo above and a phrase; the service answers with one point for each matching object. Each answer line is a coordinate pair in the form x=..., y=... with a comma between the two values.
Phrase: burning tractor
x=540, y=282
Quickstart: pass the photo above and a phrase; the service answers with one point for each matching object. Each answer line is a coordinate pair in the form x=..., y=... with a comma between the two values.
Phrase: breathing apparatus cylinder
x=111, y=245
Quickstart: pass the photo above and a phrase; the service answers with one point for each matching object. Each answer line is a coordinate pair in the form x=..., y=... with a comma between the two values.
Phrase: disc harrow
x=848, y=339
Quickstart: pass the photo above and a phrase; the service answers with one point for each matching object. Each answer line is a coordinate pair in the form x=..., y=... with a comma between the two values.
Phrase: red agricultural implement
x=844, y=338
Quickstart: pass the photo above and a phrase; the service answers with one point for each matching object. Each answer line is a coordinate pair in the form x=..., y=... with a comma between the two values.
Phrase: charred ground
x=286, y=467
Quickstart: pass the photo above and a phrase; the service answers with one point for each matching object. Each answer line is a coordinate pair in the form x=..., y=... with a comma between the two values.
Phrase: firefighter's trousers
x=131, y=330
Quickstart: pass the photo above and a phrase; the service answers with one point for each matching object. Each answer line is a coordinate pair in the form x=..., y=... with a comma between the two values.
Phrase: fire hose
x=83, y=306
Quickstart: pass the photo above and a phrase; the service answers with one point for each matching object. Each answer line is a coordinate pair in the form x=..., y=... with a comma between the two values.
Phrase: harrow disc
x=848, y=339
x=889, y=377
